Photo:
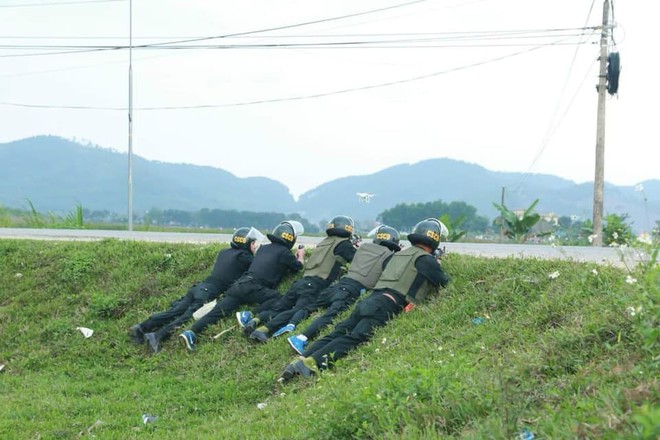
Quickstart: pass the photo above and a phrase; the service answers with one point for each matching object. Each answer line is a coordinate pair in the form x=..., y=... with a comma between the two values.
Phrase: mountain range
x=55, y=174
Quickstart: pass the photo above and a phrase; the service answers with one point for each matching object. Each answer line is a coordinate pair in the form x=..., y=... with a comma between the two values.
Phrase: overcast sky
x=410, y=81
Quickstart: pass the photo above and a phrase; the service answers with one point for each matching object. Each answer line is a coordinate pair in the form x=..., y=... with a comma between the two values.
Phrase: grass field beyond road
x=512, y=348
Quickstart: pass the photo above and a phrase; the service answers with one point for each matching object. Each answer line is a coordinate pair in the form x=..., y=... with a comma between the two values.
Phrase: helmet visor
x=255, y=235
x=297, y=227
x=373, y=231
x=444, y=232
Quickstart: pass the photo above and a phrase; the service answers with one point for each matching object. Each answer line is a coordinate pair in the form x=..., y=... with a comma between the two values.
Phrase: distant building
x=549, y=217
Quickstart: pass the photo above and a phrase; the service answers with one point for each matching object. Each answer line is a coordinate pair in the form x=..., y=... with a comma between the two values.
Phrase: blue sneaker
x=286, y=329
x=243, y=318
x=297, y=343
x=189, y=339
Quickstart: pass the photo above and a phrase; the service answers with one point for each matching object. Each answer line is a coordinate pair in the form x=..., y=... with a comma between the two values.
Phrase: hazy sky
x=501, y=83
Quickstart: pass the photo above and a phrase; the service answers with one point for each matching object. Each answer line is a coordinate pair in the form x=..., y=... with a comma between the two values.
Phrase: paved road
x=603, y=255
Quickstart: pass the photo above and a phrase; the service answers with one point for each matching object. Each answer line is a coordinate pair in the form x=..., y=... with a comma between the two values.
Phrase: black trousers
x=372, y=312
x=164, y=323
x=294, y=306
x=244, y=291
x=335, y=299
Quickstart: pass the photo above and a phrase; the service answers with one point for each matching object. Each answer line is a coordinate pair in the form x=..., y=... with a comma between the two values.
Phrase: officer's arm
x=344, y=252
x=430, y=268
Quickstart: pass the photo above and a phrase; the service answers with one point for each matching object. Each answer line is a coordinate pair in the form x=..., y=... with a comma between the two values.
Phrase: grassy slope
x=562, y=358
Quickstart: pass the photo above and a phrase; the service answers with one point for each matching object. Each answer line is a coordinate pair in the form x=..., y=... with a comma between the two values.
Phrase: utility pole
x=130, y=115
x=600, y=130
x=501, y=218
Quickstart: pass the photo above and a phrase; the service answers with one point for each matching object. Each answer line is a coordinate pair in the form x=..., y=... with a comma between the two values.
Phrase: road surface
x=602, y=255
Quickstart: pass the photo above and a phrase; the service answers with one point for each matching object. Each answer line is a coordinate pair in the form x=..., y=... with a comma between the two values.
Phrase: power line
x=66, y=52
x=292, y=98
x=429, y=36
x=86, y=66
x=372, y=11
x=26, y=5
x=517, y=34
x=289, y=26
x=334, y=45
x=366, y=44
x=292, y=47
x=300, y=44
x=389, y=34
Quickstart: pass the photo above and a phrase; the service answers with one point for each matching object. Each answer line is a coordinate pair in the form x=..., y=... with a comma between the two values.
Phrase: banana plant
x=453, y=225
x=519, y=229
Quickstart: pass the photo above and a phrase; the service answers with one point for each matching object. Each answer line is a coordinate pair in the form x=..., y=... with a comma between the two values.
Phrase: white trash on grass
x=148, y=418
x=87, y=332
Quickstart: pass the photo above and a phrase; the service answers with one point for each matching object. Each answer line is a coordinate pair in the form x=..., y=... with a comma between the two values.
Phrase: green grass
x=561, y=358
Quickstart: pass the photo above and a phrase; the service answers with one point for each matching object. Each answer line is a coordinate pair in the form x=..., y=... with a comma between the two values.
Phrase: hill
x=56, y=174
x=451, y=180
x=562, y=357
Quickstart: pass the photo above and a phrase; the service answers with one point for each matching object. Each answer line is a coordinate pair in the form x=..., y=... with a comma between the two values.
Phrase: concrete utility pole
x=600, y=130
x=501, y=217
x=130, y=115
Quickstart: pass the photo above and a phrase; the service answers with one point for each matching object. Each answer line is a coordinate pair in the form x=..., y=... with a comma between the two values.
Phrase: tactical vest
x=367, y=264
x=323, y=258
x=400, y=274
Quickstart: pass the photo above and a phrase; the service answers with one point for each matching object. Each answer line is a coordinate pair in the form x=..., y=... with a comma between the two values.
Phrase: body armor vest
x=323, y=258
x=367, y=264
x=400, y=274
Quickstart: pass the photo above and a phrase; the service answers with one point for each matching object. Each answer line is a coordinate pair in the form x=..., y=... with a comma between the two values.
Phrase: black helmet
x=243, y=238
x=387, y=236
x=428, y=232
x=340, y=226
x=286, y=233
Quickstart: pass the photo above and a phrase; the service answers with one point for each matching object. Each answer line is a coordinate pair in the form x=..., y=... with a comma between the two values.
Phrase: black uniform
x=413, y=272
x=229, y=265
x=271, y=263
x=296, y=303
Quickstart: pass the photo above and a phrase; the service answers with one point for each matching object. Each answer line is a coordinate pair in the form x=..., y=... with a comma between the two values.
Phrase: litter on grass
x=202, y=311
x=224, y=332
x=148, y=418
x=87, y=332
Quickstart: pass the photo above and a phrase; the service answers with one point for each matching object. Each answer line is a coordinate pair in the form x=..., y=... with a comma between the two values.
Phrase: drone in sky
x=365, y=197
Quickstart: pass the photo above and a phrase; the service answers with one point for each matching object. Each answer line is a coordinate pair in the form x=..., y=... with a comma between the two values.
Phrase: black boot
x=153, y=340
x=137, y=334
